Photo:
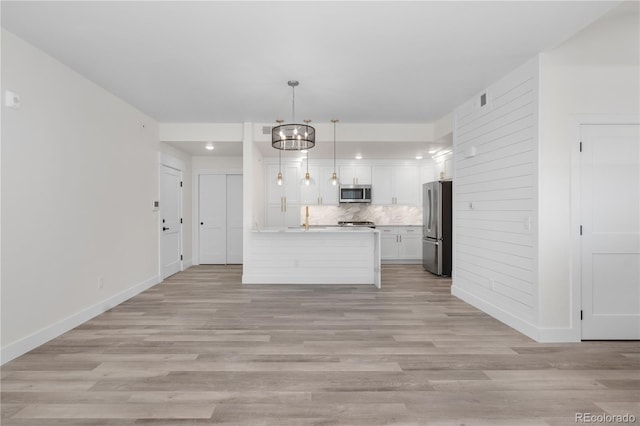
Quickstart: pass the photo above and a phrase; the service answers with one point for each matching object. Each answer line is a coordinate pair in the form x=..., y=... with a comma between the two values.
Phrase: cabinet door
x=347, y=175
x=410, y=246
x=274, y=191
x=275, y=216
x=388, y=243
x=363, y=175
x=328, y=191
x=355, y=175
x=406, y=185
x=382, y=185
x=311, y=193
x=291, y=185
x=292, y=216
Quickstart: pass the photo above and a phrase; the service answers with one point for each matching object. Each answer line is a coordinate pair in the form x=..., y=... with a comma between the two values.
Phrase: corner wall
x=495, y=200
x=79, y=175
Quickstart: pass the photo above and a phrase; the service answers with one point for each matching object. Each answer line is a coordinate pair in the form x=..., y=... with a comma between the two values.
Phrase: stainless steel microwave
x=355, y=193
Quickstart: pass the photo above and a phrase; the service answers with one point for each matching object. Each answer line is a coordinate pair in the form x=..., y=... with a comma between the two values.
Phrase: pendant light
x=307, y=176
x=295, y=137
x=334, y=176
x=279, y=161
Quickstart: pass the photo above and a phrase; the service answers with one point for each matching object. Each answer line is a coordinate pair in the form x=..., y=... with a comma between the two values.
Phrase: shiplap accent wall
x=495, y=200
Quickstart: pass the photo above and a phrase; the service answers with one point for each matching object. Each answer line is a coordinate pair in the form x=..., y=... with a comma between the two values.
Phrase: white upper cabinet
x=382, y=188
x=290, y=184
x=395, y=185
x=355, y=175
x=320, y=192
x=283, y=202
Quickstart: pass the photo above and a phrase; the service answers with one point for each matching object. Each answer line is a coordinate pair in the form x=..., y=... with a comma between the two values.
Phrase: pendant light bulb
x=279, y=178
x=334, y=176
x=307, y=179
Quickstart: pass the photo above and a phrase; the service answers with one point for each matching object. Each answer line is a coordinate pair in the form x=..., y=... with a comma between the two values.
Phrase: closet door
x=213, y=219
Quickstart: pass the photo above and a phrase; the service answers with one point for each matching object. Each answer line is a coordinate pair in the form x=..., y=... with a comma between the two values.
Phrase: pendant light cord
x=293, y=104
x=334, y=145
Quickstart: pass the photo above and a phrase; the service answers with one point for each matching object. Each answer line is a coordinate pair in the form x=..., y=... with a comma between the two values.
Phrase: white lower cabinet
x=400, y=243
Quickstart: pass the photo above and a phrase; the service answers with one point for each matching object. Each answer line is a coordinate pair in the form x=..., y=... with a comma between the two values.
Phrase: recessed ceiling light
x=358, y=156
x=418, y=157
x=209, y=147
x=433, y=151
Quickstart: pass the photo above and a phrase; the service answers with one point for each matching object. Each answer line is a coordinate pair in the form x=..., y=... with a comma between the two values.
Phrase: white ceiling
x=361, y=61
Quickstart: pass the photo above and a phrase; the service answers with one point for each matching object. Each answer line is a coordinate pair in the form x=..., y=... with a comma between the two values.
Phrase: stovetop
x=356, y=223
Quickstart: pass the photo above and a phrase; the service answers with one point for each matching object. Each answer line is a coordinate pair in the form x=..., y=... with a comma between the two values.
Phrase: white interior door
x=234, y=218
x=213, y=219
x=610, y=243
x=170, y=211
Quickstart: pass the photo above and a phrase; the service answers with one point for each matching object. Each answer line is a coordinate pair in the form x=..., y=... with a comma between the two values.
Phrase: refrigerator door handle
x=434, y=242
x=430, y=204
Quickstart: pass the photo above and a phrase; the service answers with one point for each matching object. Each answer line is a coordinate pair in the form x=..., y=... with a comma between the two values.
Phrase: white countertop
x=328, y=229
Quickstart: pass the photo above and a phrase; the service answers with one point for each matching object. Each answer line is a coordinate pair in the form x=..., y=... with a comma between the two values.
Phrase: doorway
x=610, y=231
x=171, y=220
x=220, y=218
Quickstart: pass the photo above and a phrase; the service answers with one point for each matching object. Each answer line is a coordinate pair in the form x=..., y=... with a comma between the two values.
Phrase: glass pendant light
x=307, y=176
x=279, y=161
x=334, y=176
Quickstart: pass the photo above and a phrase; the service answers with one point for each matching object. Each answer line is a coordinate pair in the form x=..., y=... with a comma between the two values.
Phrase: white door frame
x=196, y=205
x=174, y=163
x=576, y=202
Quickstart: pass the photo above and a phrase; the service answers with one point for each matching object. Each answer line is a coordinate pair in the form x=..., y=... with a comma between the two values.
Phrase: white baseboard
x=401, y=261
x=500, y=314
x=32, y=341
x=559, y=335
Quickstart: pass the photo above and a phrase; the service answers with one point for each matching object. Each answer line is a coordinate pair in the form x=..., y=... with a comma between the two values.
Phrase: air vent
x=483, y=99
x=266, y=130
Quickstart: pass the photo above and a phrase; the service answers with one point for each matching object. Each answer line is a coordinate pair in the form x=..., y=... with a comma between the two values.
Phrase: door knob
x=164, y=228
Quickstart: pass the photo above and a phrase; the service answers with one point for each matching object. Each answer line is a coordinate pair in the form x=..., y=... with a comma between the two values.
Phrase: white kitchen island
x=331, y=255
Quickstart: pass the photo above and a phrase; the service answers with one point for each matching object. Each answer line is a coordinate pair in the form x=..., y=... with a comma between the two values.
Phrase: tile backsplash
x=380, y=215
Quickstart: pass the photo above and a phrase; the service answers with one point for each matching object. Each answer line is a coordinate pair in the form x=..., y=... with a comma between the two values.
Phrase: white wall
x=258, y=212
x=216, y=163
x=595, y=72
x=79, y=174
x=495, y=200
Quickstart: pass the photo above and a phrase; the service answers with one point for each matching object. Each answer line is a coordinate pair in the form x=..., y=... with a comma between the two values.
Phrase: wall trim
x=507, y=318
x=32, y=341
x=559, y=335
x=575, y=275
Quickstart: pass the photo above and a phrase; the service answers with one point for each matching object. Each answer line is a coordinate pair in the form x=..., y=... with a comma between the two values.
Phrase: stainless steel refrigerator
x=437, y=227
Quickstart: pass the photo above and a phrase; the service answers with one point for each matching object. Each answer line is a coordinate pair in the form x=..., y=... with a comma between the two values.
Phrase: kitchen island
x=322, y=255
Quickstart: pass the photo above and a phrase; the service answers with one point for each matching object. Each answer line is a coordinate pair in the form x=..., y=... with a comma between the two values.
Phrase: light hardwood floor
x=200, y=348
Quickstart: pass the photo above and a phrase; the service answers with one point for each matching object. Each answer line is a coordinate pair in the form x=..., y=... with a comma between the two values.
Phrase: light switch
x=11, y=99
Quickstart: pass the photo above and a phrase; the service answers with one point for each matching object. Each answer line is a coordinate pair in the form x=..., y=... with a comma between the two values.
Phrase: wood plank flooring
x=200, y=349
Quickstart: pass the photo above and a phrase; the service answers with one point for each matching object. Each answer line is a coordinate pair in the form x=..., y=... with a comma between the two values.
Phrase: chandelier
x=293, y=137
